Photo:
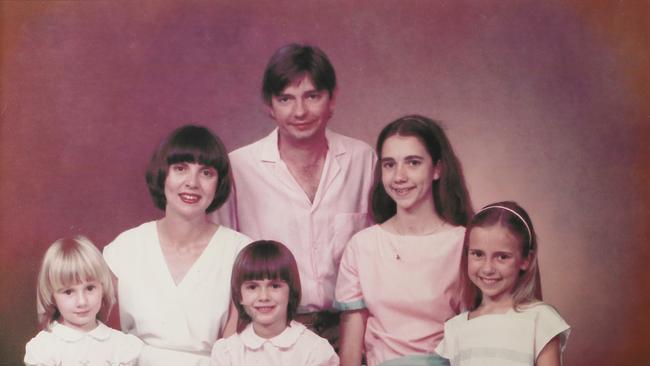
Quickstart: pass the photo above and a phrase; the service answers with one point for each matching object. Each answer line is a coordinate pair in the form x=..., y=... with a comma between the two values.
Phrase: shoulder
x=542, y=311
x=232, y=238
x=456, y=321
x=129, y=346
x=132, y=237
x=370, y=235
x=320, y=350
x=349, y=144
x=248, y=151
x=128, y=244
x=225, y=349
x=41, y=349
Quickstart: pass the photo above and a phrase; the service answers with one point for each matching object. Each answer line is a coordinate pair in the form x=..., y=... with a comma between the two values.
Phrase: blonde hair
x=513, y=218
x=67, y=262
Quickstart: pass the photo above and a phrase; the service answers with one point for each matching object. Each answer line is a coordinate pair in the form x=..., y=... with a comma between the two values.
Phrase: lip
x=489, y=281
x=82, y=313
x=264, y=309
x=190, y=198
x=401, y=191
x=304, y=125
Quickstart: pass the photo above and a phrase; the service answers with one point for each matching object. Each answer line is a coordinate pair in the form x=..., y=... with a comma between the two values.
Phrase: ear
x=332, y=103
x=437, y=168
x=525, y=265
x=269, y=109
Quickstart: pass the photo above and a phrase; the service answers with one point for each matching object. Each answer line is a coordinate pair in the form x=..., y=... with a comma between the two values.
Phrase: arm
x=550, y=354
x=231, y=324
x=352, y=330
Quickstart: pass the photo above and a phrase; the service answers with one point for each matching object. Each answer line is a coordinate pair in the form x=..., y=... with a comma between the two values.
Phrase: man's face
x=301, y=111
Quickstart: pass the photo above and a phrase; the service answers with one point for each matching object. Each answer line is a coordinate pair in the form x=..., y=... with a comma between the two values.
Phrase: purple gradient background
x=545, y=103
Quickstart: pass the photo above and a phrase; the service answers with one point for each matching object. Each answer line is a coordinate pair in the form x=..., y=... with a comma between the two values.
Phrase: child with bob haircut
x=506, y=323
x=265, y=288
x=74, y=295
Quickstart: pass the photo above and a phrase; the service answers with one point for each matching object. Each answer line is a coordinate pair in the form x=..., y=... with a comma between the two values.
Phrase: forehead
x=398, y=146
x=493, y=238
x=299, y=85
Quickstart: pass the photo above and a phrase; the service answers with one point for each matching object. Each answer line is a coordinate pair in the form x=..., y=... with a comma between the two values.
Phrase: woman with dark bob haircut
x=399, y=280
x=173, y=273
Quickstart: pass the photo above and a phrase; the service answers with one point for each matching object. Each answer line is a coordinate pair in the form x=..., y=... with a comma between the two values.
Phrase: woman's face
x=190, y=188
x=408, y=172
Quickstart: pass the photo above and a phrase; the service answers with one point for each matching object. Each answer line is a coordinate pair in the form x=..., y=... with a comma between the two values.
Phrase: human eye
x=208, y=172
x=250, y=285
x=387, y=164
x=475, y=253
x=91, y=287
x=504, y=256
x=178, y=167
x=314, y=96
x=66, y=291
x=277, y=284
x=282, y=98
x=414, y=162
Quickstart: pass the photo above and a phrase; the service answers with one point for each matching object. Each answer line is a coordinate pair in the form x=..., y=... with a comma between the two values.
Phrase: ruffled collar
x=100, y=333
x=286, y=339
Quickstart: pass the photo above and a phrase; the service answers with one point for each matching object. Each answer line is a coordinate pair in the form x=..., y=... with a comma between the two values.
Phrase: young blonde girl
x=506, y=323
x=74, y=295
x=265, y=288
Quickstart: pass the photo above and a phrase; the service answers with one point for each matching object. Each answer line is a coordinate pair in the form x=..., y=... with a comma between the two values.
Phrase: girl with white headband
x=506, y=323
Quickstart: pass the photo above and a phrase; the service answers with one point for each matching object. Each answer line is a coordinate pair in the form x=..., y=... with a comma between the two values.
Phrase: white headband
x=530, y=235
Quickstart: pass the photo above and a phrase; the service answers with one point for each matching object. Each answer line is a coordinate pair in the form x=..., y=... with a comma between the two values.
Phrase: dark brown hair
x=293, y=61
x=265, y=259
x=189, y=144
x=452, y=202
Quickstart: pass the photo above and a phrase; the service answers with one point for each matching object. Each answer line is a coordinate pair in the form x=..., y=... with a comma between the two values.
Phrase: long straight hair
x=450, y=196
x=528, y=287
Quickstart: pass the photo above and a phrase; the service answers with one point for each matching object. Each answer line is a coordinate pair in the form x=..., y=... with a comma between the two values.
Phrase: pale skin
x=408, y=173
x=495, y=261
x=302, y=113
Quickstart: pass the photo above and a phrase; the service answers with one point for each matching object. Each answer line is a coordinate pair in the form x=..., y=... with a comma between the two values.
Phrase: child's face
x=407, y=172
x=494, y=261
x=79, y=305
x=266, y=301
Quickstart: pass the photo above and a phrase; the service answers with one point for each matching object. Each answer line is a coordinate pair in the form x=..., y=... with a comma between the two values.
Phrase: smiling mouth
x=489, y=281
x=189, y=198
x=264, y=309
x=401, y=191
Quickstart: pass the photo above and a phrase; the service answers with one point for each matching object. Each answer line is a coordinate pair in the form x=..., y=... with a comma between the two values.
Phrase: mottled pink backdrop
x=546, y=103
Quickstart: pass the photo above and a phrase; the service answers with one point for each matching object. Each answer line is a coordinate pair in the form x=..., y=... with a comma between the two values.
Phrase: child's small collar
x=100, y=333
x=286, y=339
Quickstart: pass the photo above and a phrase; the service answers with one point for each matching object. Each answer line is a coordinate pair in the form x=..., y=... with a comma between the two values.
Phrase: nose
x=487, y=267
x=81, y=299
x=400, y=173
x=263, y=294
x=300, y=110
x=192, y=180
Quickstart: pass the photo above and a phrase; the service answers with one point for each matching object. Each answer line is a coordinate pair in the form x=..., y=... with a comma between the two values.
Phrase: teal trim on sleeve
x=430, y=359
x=354, y=305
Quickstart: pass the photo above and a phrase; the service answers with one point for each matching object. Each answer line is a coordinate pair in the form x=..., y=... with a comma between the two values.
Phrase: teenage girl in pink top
x=399, y=280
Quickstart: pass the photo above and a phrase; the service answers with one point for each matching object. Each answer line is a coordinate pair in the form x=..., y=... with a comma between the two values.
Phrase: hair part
x=293, y=62
x=260, y=260
x=528, y=286
x=450, y=195
x=189, y=144
x=68, y=262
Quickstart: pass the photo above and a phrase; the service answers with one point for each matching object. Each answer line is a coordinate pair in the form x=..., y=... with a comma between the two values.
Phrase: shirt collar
x=286, y=339
x=100, y=333
x=271, y=153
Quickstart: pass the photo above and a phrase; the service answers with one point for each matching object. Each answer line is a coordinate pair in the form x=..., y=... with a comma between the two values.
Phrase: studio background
x=545, y=102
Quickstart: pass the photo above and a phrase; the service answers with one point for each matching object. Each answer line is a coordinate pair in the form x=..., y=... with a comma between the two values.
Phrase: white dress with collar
x=64, y=346
x=296, y=345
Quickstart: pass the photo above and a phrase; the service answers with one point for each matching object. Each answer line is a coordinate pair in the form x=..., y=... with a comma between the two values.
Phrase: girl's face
x=494, y=262
x=79, y=305
x=407, y=173
x=266, y=302
x=190, y=188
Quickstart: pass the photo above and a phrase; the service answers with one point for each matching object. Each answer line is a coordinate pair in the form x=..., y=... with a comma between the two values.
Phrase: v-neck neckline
x=165, y=266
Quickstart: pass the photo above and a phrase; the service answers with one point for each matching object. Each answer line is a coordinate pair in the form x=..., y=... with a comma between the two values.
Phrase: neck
x=182, y=231
x=268, y=331
x=421, y=221
x=307, y=151
x=495, y=306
